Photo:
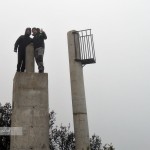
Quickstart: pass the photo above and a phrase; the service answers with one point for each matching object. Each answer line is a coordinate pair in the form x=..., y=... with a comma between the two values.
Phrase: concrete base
x=30, y=111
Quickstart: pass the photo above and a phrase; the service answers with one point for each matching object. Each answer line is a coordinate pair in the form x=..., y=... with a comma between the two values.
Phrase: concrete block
x=30, y=111
x=30, y=89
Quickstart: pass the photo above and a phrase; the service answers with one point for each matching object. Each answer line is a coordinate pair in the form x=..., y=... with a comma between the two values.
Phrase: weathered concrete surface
x=30, y=111
x=30, y=58
x=78, y=98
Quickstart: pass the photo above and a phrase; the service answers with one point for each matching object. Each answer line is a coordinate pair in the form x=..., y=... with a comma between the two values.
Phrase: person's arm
x=44, y=35
x=17, y=44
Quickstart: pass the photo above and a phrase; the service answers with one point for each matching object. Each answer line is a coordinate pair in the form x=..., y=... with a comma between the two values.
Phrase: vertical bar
x=83, y=41
x=91, y=55
x=84, y=47
x=89, y=52
x=86, y=44
x=80, y=42
x=92, y=42
x=90, y=46
x=81, y=46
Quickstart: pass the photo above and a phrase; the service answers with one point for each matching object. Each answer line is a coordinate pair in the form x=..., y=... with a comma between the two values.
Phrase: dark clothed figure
x=38, y=42
x=21, y=44
x=38, y=39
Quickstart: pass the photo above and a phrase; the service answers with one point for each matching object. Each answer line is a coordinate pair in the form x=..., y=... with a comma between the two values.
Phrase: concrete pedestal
x=30, y=111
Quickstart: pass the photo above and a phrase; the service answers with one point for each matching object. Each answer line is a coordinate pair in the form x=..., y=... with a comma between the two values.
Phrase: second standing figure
x=38, y=42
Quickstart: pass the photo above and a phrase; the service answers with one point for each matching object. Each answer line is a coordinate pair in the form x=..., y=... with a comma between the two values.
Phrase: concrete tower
x=30, y=108
x=78, y=93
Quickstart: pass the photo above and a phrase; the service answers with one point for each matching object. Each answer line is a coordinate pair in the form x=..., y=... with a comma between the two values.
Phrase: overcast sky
x=117, y=86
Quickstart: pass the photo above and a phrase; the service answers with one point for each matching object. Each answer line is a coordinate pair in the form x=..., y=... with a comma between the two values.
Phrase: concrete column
x=30, y=111
x=78, y=98
x=30, y=58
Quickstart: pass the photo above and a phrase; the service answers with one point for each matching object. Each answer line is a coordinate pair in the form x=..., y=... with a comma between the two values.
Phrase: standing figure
x=38, y=42
x=21, y=44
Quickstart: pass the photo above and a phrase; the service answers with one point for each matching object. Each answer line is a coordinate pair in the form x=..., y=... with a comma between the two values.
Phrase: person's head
x=34, y=31
x=38, y=30
x=28, y=31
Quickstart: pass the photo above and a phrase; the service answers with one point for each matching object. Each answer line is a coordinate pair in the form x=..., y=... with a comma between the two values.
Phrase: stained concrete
x=78, y=96
x=30, y=111
x=30, y=58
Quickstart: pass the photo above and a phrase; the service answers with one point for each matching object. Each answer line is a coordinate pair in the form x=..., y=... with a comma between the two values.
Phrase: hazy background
x=117, y=86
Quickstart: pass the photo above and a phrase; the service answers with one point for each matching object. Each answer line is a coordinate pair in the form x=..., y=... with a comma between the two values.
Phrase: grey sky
x=117, y=86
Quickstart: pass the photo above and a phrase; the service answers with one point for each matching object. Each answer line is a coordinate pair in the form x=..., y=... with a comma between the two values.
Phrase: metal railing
x=84, y=46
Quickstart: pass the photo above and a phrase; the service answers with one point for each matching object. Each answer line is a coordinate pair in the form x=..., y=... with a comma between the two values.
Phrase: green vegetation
x=60, y=138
